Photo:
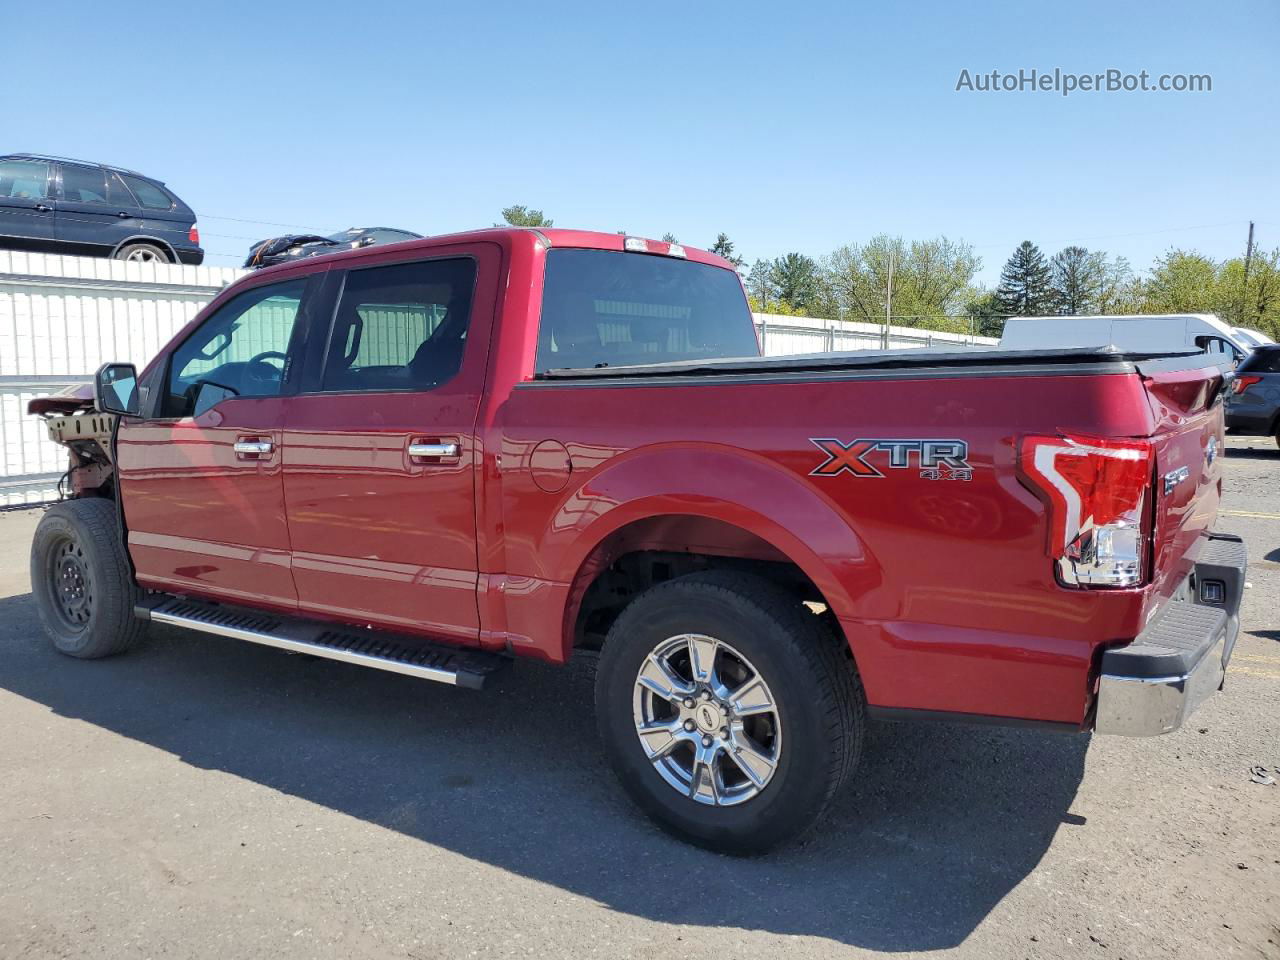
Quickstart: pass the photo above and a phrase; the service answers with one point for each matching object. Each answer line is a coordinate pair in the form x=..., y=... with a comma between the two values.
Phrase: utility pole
x=1244, y=292
x=888, y=304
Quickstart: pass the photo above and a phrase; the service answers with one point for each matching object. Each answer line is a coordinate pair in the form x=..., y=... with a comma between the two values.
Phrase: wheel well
x=154, y=241
x=657, y=549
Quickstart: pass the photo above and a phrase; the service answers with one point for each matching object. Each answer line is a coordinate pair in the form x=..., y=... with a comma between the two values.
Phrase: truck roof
x=551, y=237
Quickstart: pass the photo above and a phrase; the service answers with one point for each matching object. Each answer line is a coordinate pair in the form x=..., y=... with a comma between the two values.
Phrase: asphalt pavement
x=199, y=797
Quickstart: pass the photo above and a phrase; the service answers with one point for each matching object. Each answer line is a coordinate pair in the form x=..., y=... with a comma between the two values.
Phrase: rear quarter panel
x=943, y=587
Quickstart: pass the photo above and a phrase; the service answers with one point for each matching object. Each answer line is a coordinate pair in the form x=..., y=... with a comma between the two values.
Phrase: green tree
x=1121, y=291
x=983, y=311
x=1255, y=304
x=521, y=216
x=724, y=247
x=669, y=238
x=931, y=281
x=1182, y=282
x=1025, y=288
x=795, y=280
x=1078, y=276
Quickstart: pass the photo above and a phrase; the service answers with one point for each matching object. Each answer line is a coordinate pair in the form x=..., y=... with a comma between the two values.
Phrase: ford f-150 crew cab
x=436, y=456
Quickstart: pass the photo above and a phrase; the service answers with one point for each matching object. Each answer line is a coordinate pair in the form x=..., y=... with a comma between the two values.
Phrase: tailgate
x=1189, y=446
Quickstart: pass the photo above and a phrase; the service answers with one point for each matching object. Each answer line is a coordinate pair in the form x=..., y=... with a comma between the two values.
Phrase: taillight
x=193, y=236
x=1242, y=384
x=1097, y=492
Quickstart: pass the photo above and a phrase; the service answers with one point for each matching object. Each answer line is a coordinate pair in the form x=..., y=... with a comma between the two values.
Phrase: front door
x=200, y=478
x=380, y=464
x=26, y=209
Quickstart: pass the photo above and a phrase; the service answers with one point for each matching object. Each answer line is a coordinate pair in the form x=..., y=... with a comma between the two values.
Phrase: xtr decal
x=935, y=459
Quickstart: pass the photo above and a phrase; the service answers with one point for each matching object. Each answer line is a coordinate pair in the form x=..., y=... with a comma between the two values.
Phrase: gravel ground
x=202, y=798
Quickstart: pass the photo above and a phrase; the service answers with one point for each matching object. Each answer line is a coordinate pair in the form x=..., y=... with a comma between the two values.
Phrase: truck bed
x=910, y=362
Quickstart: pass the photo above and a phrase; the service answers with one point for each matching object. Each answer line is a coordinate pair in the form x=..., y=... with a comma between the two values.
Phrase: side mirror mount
x=115, y=389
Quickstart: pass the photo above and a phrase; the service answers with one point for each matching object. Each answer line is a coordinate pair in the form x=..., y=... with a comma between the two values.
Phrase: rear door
x=94, y=209
x=200, y=479
x=380, y=462
x=26, y=204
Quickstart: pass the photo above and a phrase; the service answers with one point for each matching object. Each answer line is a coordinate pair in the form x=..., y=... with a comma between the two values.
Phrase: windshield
x=604, y=308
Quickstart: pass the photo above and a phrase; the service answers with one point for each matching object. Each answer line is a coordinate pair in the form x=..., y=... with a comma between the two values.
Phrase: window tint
x=148, y=194
x=117, y=193
x=24, y=179
x=400, y=327
x=605, y=308
x=241, y=348
x=1262, y=360
x=83, y=184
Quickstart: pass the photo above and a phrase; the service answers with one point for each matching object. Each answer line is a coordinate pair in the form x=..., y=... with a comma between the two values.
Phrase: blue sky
x=788, y=126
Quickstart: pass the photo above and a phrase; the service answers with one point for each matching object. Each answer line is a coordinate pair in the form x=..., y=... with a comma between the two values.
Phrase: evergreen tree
x=1078, y=279
x=521, y=216
x=1025, y=289
x=724, y=247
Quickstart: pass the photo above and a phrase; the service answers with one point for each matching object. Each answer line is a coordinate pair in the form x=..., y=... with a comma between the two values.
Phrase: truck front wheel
x=81, y=581
x=728, y=710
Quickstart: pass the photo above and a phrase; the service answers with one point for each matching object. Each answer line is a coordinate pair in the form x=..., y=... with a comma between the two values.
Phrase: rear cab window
x=607, y=308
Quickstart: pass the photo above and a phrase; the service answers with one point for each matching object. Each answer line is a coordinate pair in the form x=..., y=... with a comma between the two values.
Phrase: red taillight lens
x=1244, y=383
x=1096, y=488
x=193, y=235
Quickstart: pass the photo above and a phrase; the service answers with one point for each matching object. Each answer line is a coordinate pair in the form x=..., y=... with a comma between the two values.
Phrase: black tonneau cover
x=1110, y=358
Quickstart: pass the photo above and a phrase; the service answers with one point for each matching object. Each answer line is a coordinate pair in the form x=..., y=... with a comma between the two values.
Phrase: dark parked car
x=57, y=205
x=1254, y=404
x=299, y=246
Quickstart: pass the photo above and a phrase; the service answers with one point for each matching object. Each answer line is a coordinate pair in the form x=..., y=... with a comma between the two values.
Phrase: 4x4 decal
x=935, y=459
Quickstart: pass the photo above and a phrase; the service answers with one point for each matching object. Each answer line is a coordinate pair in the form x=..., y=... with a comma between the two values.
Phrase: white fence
x=63, y=317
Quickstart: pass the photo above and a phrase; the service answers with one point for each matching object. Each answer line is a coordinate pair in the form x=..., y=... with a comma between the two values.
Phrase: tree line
x=931, y=283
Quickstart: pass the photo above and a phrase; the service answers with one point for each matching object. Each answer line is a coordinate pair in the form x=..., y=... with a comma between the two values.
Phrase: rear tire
x=737, y=776
x=142, y=253
x=81, y=580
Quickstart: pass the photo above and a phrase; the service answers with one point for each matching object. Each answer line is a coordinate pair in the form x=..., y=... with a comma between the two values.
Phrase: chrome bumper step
x=375, y=649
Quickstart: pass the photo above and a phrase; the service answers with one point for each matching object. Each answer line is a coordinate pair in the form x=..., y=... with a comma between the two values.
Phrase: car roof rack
x=86, y=163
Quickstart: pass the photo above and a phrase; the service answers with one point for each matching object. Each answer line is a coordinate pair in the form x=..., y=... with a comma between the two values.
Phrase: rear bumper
x=191, y=257
x=1153, y=684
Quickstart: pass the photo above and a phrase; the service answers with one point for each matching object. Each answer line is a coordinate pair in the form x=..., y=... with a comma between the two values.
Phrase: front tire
x=81, y=580
x=728, y=710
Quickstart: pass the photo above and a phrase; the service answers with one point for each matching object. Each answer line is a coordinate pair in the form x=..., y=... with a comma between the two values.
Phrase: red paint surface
x=945, y=589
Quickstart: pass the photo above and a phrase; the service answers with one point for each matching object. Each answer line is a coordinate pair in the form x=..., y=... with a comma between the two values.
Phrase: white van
x=1133, y=333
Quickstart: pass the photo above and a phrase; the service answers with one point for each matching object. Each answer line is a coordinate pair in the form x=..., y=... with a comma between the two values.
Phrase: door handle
x=253, y=449
x=123, y=215
x=441, y=450
x=44, y=208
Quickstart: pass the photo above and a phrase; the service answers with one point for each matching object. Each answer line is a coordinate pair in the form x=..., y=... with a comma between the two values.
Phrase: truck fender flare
x=734, y=486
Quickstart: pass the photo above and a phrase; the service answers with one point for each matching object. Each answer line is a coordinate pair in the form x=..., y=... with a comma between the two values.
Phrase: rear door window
x=604, y=308
x=84, y=184
x=400, y=327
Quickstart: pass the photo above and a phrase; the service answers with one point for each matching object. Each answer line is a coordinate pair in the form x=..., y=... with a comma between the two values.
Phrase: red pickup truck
x=435, y=456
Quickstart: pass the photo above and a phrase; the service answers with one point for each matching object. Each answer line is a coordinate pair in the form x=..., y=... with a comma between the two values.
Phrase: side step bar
x=366, y=648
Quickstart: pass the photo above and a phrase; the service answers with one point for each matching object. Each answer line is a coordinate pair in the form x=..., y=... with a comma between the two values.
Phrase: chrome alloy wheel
x=707, y=720
x=142, y=255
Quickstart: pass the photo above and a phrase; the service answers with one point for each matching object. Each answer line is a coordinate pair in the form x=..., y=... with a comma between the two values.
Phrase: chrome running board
x=377, y=650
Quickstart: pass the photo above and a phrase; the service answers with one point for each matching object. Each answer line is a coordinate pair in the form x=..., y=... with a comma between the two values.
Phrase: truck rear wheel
x=729, y=712
x=81, y=581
